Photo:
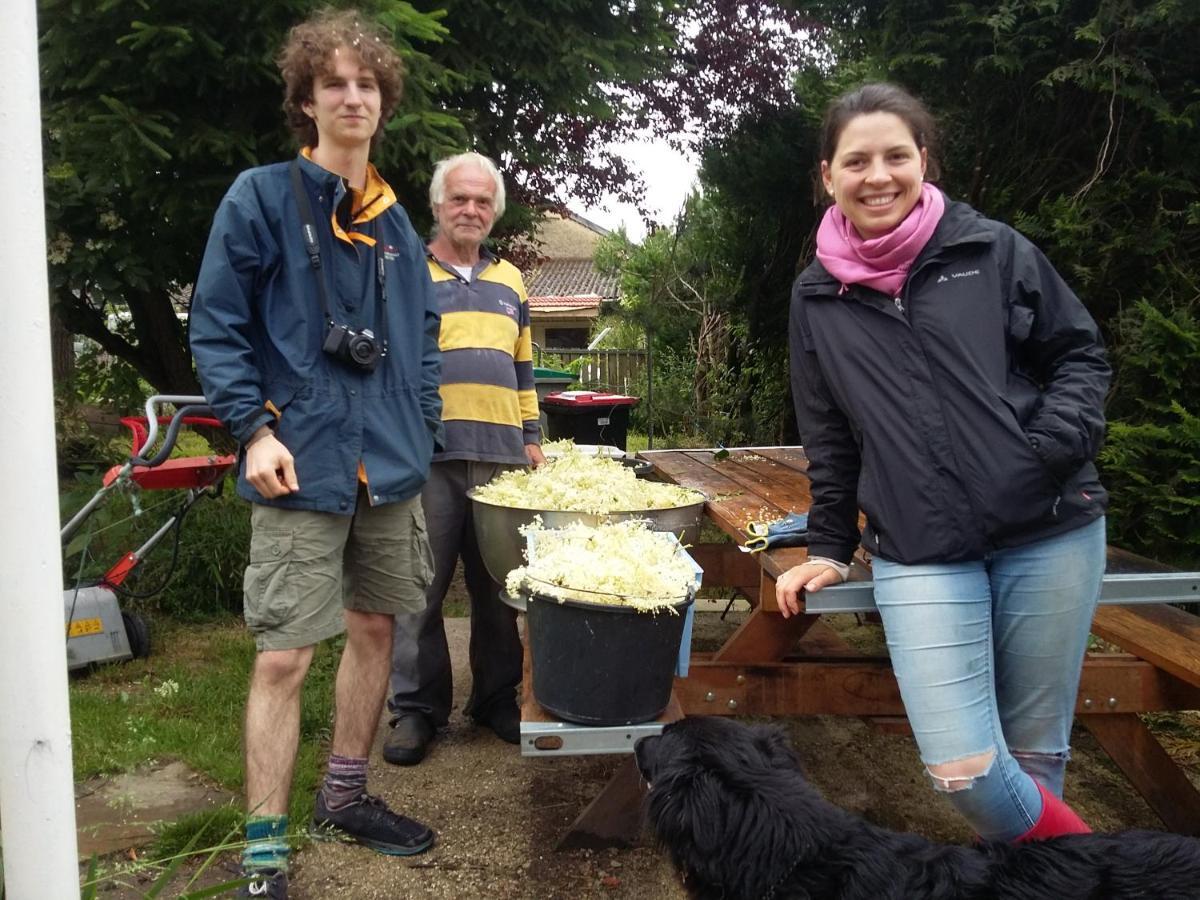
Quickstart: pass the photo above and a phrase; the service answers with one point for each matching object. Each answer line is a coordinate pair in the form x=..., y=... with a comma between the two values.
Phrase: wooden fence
x=611, y=370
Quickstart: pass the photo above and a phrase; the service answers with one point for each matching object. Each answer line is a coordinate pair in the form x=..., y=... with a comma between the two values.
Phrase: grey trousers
x=421, y=679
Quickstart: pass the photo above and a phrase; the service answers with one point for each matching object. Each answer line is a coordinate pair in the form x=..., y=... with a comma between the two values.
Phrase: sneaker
x=269, y=883
x=505, y=720
x=409, y=740
x=369, y=822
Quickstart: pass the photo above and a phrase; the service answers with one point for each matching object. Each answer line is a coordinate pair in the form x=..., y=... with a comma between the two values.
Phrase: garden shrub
x=1151, y=460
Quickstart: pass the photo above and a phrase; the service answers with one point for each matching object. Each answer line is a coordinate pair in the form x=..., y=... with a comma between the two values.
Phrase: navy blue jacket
x=961, y=416
x=257, y=329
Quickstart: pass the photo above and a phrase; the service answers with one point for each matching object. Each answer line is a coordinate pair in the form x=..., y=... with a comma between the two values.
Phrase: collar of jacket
x=486, y=258
x=379, y=191
x=960, y=224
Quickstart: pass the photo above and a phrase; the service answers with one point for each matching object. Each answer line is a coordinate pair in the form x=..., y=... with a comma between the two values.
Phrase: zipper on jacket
x=899, y=303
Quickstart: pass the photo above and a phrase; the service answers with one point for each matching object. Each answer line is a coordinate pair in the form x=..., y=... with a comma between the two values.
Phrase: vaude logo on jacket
x=966, y=274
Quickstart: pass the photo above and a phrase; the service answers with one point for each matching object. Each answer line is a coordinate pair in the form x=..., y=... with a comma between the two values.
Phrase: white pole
x=37, y=797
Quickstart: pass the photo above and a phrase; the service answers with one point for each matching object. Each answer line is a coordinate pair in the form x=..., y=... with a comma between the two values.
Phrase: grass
x=186, y=702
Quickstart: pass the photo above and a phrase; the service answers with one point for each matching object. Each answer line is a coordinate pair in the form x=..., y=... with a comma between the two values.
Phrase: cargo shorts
x=306, y=566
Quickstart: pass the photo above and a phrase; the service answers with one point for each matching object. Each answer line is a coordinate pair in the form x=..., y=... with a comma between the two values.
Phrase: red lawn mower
x=97, y=630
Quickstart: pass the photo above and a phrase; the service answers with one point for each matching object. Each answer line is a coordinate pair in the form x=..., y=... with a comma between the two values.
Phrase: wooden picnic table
x=771, y=666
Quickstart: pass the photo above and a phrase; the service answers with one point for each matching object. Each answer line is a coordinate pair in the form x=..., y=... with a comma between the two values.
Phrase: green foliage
x=186, y=702
x=546, y=88
x=622, y=333
x=211, y=828
x=149, y=112
x=136, y=161
x=713, y=292
x=1078, y=124
x=78, y=444
x=214, y=537
x=103, y=380
x=200, y=837
x=1151, y=461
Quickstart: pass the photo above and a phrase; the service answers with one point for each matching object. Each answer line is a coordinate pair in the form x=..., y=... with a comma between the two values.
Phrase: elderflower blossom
x=615, y=564
x=580, y=483
x=59, y=249
x=167, y=689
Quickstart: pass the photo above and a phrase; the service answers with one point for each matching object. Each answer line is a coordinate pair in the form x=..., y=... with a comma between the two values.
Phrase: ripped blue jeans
x=987, y=655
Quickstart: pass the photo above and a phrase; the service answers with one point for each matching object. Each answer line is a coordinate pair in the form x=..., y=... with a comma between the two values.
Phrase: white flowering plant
x=614, y=564
x=577, y=483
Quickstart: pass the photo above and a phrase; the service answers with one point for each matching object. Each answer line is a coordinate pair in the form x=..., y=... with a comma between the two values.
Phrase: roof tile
x=571, y=278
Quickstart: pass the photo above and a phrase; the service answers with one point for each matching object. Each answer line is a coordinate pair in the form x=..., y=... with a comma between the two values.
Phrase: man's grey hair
x=437, y=187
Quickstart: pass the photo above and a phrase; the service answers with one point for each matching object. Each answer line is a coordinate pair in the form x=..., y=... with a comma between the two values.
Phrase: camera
x=357, y=349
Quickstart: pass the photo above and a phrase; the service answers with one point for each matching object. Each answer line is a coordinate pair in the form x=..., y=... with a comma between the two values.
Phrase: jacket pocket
x=1020, y=323
x=1020, y=489
x=269, y=595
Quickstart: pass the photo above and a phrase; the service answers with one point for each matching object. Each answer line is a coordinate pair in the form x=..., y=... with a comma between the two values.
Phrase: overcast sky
x=669, y=177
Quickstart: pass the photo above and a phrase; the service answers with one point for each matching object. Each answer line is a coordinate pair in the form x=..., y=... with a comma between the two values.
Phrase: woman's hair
x=887, y=98
x=309, y=53
x=437, y=187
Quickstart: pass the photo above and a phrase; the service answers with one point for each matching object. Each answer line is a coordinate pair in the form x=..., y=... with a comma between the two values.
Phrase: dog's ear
x=772, y=741
x=688, y=812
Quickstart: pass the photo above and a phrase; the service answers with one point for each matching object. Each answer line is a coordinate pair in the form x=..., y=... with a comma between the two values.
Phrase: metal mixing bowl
x=502, y=546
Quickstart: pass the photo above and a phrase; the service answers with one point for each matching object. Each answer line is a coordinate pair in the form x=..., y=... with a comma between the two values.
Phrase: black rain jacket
x=961, y=416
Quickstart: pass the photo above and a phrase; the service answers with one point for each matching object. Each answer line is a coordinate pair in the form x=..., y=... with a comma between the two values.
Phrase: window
x=566, y=337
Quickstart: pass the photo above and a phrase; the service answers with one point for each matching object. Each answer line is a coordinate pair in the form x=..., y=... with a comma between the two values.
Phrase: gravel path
x=498, y=815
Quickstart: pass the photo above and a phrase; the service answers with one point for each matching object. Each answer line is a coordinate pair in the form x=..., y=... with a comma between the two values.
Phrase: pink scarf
x=883, y=262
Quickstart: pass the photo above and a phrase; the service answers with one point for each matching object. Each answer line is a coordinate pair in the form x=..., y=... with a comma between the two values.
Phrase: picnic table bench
x=771, y=666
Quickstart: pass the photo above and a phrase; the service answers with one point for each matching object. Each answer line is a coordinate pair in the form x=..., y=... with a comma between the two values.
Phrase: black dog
x=740, y=821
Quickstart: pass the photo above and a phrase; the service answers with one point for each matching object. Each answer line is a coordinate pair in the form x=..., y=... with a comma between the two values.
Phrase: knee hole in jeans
x=960, y=774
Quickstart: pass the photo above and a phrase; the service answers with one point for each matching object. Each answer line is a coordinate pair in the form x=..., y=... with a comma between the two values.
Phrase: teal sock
x=266, y=844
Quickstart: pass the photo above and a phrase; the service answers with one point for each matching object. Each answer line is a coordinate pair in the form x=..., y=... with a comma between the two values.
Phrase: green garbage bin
x=546, y=381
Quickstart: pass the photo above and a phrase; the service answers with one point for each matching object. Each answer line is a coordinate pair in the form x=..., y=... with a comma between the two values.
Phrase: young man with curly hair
x=314, y=328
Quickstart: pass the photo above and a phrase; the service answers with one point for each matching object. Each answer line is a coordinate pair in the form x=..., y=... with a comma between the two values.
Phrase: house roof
x=560, y=304
x=571, y=278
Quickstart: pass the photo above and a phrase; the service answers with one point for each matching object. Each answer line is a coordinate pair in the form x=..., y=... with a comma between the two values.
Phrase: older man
x=490, y=413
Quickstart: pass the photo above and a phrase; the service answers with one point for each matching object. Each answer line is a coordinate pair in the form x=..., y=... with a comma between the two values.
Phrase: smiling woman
x=875, y=176
x=949, y=384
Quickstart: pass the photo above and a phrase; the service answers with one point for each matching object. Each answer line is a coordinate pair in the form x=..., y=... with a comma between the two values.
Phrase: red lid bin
x=588, y=417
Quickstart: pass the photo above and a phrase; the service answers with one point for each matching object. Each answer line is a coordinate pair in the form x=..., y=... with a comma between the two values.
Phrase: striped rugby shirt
x=489, y=405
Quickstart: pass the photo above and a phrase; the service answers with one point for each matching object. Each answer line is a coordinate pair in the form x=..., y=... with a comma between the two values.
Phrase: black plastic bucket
x=603, y=665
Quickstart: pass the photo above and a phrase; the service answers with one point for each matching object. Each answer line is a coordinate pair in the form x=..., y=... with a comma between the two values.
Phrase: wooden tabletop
x=744, y=485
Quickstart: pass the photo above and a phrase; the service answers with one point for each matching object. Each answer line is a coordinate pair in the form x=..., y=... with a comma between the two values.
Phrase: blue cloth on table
x=790, y=531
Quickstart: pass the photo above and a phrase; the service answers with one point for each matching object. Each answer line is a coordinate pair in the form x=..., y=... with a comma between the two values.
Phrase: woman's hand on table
x=795, y=581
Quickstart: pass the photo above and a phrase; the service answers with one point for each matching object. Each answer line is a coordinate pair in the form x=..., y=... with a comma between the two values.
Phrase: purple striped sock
x=345, y=781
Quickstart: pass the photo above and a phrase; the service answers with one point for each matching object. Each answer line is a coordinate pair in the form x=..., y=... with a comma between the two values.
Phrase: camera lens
x=362, y=349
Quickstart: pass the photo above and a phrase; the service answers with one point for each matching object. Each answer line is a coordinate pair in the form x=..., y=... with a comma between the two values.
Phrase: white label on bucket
x=603, y=420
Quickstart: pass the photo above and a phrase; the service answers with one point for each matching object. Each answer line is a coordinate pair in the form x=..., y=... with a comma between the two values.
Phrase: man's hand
x=533, y=452
x=808, y=577
x=269, y=465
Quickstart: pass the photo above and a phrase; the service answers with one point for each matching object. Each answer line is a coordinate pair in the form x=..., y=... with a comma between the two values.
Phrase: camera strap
x=312, y=246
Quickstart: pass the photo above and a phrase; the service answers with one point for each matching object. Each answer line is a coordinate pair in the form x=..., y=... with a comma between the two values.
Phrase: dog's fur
x=730, y=804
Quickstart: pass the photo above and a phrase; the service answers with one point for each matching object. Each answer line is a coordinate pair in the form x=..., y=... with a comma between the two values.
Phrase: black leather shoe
x=409, y=739
x=505, y=720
